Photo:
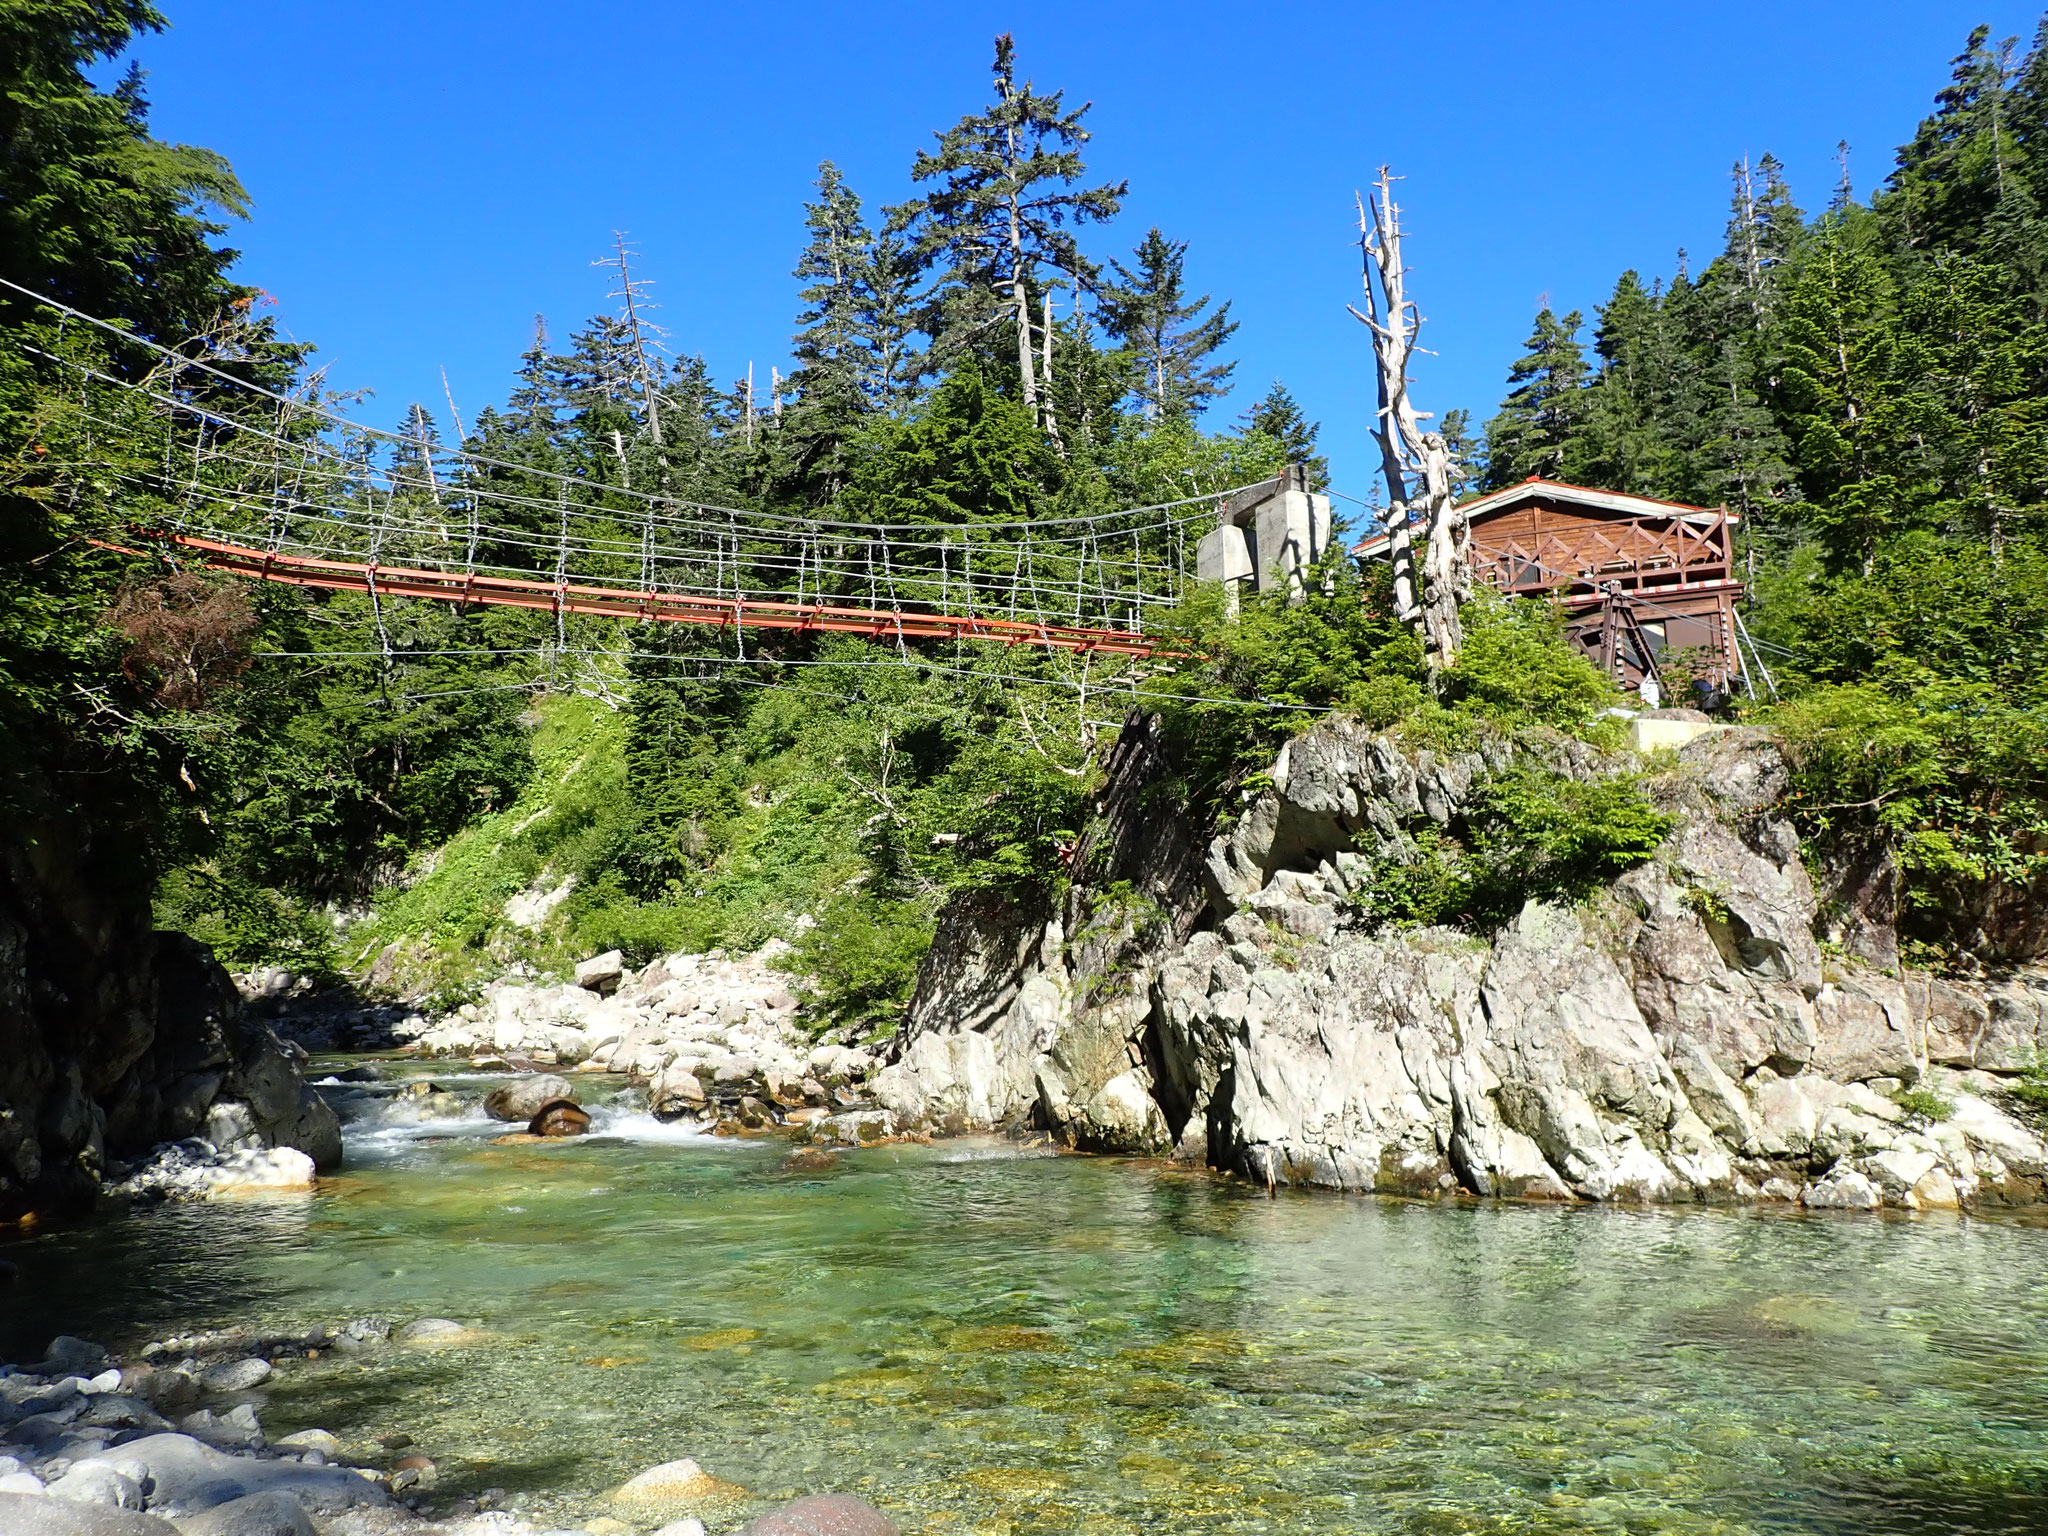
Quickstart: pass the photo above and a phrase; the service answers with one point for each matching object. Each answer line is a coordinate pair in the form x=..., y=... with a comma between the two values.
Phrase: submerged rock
x=235, y=1375
x=824, y=1514
x=276, y=1513
x=186, y=1477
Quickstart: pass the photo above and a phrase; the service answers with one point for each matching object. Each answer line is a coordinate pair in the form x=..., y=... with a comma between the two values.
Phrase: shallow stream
x=983, y=1340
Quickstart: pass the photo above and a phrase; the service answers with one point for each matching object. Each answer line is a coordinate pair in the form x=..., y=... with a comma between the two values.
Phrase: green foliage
x=1518, y=669
x=1169, y=338
x=1534, y=432
x=862, y=955
x=1924, y=1104
x=1245, y=685
x=1526, y=834
x=970, y=456
x=2031, y=1088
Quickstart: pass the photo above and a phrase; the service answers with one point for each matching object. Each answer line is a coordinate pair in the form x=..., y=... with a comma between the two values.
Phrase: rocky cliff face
x=114, y=1037
x=1679, y=1037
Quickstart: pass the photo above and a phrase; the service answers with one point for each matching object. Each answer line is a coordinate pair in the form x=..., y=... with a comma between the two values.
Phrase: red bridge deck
x=664, y=607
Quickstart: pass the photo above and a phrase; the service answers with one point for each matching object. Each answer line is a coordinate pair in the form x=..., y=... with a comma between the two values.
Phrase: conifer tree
x=998, y=222
x=1622, y=445
x=1842, y=370
x=1534, y=432
x=1280, y=418
x=1963, y=180
x=1169, y=337
x=1764, y=226
x=837, y=382
x=93, y=211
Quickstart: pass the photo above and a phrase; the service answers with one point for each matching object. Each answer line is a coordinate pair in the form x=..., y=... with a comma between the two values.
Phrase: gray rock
x=428, y=1330
x=236, y=1375
x=525, y=1097
x=601, y=973
x=185, y=1477
x=276, y=1513
x=824, y=1514
x=68, y=1356
x=91, y=1482
x=35, y=1515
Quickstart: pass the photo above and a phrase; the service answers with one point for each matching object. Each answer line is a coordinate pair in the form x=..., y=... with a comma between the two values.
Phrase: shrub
x=862, y=957
x=1923, y=1104
x=1528, y=833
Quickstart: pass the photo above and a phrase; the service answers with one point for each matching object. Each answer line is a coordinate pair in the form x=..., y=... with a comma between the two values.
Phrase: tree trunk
x=1426, y=600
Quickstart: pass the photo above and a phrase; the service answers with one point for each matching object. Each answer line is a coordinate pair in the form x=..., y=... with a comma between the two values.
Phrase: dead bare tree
x=1417, y=464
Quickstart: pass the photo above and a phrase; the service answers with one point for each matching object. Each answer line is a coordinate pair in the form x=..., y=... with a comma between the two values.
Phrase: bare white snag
x=1417, y=464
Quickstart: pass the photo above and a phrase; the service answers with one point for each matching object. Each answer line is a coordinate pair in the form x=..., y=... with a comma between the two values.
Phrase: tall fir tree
x=1168, y=335
x=1537, y=426
x=997, y=225
x=1278, y=416
x=1622, y=446
x=1844, y=405
x=1963, y=181
x=837, y=383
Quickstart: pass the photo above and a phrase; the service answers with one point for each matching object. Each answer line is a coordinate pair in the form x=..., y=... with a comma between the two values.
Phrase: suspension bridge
x=283, y=488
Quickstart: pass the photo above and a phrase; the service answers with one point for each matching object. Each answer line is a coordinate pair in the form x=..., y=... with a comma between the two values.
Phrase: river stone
x=601, y=973
x=524, y=1099
x=692, y=1527
x=260, y=1514
x=559, y=1117
x=824, y=1514
x=24, y=1514
x=67, y=1356
x=186, y=1477
x=672, y=1482
x=430, y=1332
x=320, y=1440
x=675, y=1094
x=91, y=1482
x=236, y=1375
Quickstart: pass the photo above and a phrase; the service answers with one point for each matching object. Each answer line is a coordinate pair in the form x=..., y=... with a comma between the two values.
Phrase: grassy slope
x=786, y=853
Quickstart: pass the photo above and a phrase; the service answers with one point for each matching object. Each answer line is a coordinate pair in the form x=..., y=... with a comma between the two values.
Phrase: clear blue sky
x=427, y=177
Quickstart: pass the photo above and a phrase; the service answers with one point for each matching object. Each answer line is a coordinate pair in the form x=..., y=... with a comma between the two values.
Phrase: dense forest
x=315, y=781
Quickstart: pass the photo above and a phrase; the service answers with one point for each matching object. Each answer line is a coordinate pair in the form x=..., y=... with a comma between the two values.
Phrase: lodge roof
x=1619, y=503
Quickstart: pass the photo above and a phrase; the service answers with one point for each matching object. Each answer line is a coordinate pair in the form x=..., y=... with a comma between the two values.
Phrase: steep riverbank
x=1680, y=1035
x=115, y=1038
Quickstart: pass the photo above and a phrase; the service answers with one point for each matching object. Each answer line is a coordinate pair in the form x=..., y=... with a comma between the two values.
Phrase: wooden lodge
x=1637, y=578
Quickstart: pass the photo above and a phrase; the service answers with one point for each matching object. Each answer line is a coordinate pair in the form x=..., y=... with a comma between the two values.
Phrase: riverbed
x=982, y=1338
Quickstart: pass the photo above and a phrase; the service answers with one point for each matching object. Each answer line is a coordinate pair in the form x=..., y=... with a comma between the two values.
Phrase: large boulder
x=275, y=1513
x=602, y=973
x=185, y=1477
x=38, y=1515
x=525, y=1097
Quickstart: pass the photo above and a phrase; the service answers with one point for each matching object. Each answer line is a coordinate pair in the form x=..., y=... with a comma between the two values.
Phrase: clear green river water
x=982, y=1340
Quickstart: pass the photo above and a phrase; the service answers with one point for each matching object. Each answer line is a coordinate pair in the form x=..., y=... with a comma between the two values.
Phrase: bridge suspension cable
x=285, y=488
